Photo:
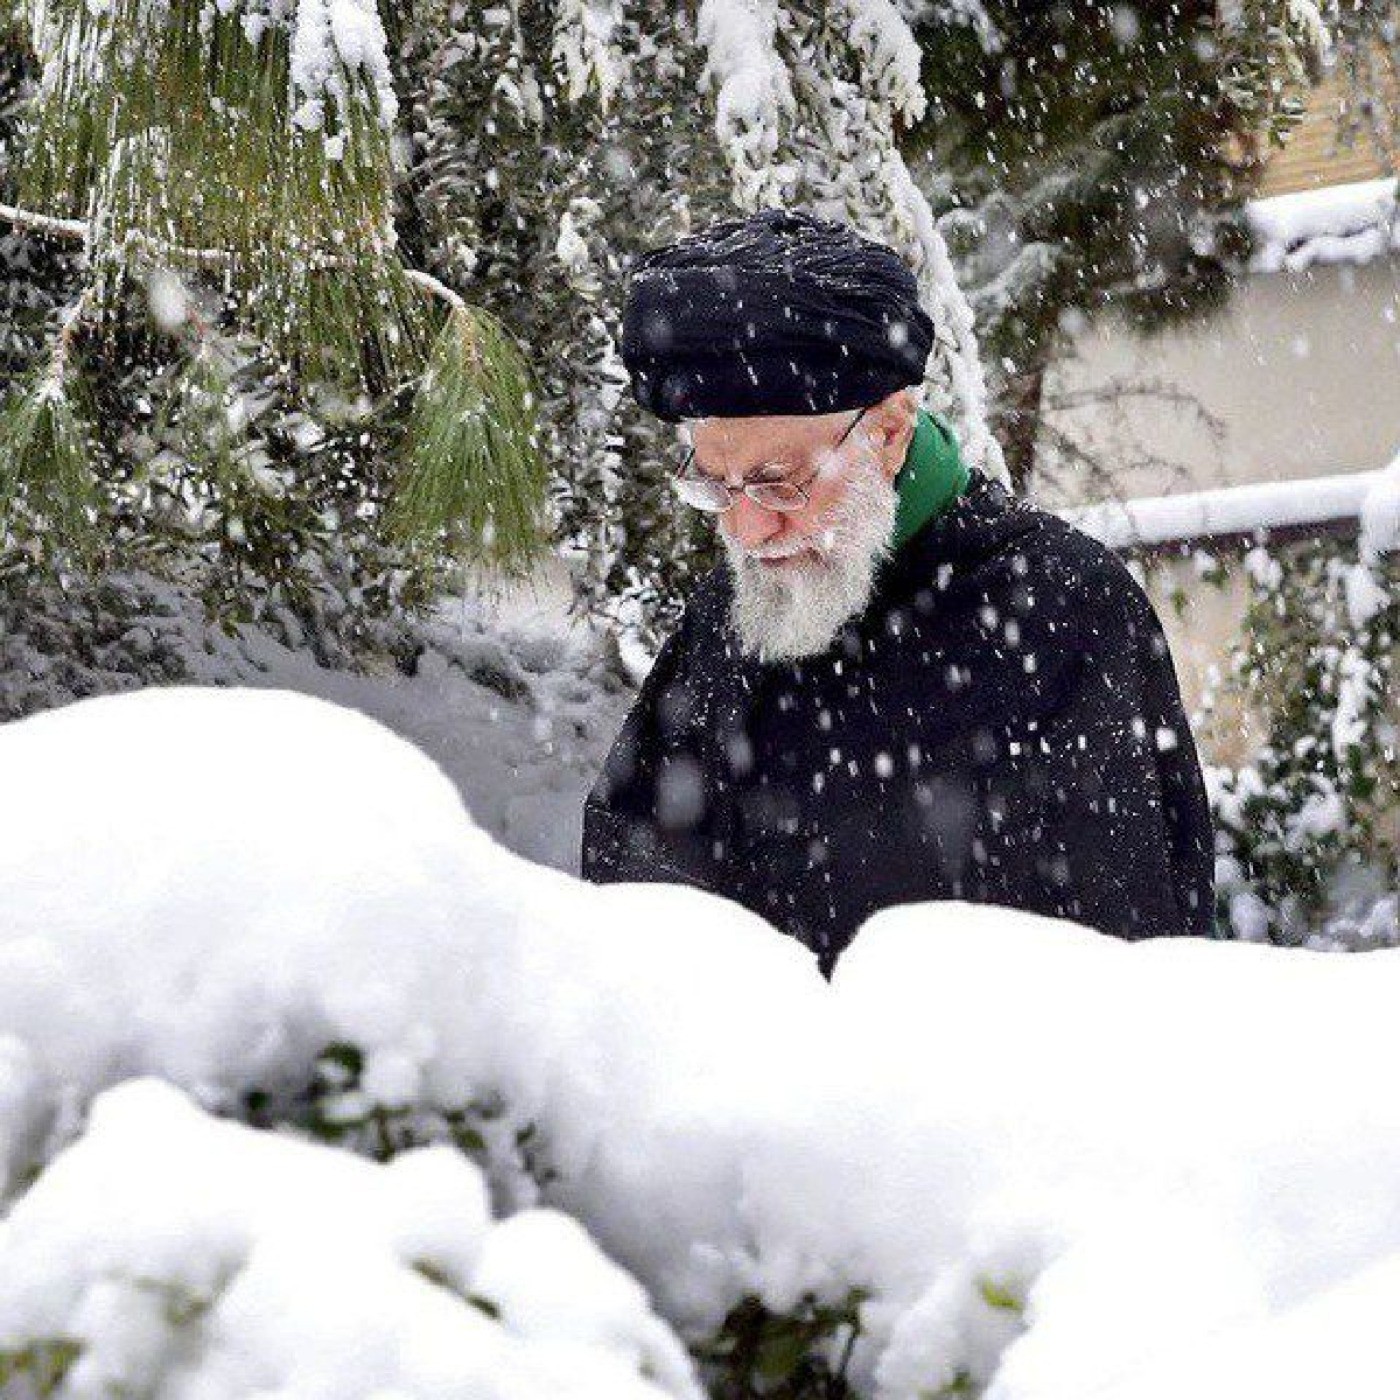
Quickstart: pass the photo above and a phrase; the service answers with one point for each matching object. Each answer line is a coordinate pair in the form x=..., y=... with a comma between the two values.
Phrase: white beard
x=795, y=610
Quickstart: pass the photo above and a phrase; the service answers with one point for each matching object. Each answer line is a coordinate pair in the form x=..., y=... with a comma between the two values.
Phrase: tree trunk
x=1018, y=422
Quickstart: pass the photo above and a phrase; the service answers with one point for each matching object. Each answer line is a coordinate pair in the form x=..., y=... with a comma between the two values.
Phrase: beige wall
x=1303, y=372
x=1201, y=636
x=1302, y=369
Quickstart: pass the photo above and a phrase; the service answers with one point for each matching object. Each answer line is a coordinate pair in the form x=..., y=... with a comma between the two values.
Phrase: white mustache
x=819, y=545
x=776, y=553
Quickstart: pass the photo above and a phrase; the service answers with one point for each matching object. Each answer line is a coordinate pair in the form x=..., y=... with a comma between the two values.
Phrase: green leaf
x=961, y=1385
x=998, y=1296
x=780, y=1353
x=341, y=1064
x=42, y=1365
x=470, y=1141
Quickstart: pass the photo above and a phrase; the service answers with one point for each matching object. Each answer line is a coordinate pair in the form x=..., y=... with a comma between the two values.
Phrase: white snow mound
x=1056, y=1164
x=178, y=1255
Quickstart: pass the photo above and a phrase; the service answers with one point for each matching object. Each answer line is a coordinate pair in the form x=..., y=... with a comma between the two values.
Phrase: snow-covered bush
x=167, y=1253
x=1307, y=825
x=997, y=1154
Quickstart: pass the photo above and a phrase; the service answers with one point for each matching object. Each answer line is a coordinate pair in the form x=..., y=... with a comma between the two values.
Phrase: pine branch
x=63, y=342
x=69, y=230
x=45, y=451
x=439, y=289
x=476, y=480
x=76, y=231
x=265, y=134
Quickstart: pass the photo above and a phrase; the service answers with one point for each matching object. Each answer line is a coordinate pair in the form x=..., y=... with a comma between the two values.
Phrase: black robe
x=1001, y=724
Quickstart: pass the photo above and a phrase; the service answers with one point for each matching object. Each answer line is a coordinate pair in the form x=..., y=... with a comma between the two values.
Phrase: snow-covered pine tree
x=547, y=144
x=226, y=173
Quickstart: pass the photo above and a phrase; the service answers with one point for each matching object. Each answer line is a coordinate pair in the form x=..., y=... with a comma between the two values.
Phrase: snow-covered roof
x=1353, y=223
x=1236, y=510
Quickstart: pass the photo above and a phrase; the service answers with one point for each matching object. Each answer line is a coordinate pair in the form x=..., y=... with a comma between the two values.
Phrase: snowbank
x=168, y=1253
x=1354, y=223
x=1379, y=516
x=216, y=885
x=1052, y=1163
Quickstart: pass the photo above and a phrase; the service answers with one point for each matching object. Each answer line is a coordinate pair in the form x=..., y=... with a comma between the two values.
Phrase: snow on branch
x=1312, y=19
x=1230, y=510
x=955, y=327
x=69, y=230
x=970, y=13
x=752, y=86
x=1306, y=23
x=582, y=47
x=333, y=39
x=892, y=55
x=1353, y=223
x=75, y=230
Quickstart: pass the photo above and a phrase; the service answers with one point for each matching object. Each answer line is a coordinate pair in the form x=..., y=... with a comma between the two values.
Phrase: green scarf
x=932, y=478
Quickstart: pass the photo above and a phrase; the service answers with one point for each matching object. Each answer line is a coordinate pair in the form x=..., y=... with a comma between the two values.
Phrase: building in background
x=1257, y=418
x=1298, y=376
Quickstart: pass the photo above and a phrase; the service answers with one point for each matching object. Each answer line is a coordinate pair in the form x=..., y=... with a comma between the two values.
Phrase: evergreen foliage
x=462, y=434
x=553, y=143
x=247, y=318
x=1092, y=159
x=524, y=155
x=46, y=471
x=1309, y=820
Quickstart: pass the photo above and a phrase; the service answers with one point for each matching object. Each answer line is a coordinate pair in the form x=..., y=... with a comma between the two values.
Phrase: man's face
x=798, y=575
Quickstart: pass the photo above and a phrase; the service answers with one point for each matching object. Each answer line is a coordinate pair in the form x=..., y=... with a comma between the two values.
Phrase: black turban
x=775, y=313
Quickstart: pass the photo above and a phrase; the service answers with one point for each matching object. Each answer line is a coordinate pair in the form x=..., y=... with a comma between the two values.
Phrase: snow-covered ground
x=515, y=703
x=1054, y=1164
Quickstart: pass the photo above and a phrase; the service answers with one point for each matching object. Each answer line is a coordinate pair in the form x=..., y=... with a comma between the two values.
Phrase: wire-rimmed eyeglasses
x=709, y=494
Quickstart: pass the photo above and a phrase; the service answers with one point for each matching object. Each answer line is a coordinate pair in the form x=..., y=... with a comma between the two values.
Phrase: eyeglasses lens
x=714, y=496
x=701, y=493
x=777, y=495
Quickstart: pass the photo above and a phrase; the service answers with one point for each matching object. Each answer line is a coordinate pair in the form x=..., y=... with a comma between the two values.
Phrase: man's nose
x=751, y=524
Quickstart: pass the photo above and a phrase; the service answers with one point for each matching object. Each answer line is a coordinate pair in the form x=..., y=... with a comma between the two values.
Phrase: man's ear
x=890, y=424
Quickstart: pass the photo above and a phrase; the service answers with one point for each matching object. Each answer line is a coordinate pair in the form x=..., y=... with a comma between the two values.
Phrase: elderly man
x=902, y=684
